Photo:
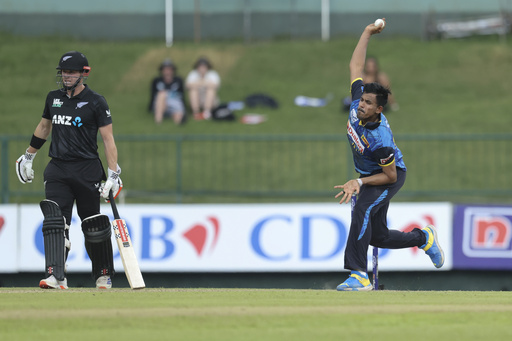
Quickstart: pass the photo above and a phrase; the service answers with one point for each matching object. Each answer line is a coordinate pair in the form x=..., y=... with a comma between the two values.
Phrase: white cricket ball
x=380, y=22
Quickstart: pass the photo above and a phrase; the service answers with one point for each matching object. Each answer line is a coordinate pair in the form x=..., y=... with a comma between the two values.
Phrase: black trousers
x=70, y=181
x=369, y=225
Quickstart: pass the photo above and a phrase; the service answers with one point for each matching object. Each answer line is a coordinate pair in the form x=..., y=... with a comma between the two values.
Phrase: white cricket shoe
x=53, y=283
x=104, y=282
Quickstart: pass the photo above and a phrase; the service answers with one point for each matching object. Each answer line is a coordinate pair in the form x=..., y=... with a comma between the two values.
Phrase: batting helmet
x=74, y=60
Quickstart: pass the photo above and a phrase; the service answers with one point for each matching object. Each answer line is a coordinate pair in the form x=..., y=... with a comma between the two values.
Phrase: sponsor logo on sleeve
x=386, y=160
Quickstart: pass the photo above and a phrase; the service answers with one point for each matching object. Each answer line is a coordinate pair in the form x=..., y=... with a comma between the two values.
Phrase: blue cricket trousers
x=369, y=225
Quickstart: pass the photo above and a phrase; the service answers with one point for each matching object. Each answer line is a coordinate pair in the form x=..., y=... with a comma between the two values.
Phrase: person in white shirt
x=202, y=84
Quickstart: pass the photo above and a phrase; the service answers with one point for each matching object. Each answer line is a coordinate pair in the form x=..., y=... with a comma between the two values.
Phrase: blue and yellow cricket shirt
x=373, y=145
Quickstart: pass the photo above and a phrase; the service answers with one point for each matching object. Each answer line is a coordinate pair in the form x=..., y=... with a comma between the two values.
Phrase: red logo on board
x=197, y=235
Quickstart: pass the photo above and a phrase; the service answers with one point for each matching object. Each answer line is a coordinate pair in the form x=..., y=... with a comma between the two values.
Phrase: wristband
x=37, y=142
x=360, y=182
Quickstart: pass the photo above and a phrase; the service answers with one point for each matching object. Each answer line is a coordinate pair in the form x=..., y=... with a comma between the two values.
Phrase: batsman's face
x=368, y=109
x=69, y=77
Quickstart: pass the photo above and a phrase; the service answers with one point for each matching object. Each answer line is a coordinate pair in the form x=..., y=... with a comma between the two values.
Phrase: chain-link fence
x=215, y=168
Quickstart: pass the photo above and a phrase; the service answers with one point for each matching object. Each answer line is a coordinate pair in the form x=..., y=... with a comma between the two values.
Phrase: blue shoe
x=432, y=247
x=358, y=281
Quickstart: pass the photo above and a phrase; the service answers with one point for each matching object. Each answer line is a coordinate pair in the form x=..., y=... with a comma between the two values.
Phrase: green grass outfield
x=248, y=314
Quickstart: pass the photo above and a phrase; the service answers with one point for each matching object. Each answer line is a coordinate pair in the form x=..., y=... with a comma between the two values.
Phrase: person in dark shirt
x=167, y=94
x=74, y=114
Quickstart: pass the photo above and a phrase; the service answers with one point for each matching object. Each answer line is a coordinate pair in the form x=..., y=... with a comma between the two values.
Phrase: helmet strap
x=72, y=87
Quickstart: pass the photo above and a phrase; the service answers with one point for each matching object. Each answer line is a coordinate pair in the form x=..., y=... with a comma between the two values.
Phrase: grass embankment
x=442, y=87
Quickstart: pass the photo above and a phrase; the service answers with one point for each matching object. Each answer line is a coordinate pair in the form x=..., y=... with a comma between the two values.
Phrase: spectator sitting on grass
x=202, y=84
x=373, y=74
x=167, y=94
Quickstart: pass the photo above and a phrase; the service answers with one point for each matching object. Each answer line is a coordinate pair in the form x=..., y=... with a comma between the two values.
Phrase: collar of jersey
x=370, y=125
x=80, y=95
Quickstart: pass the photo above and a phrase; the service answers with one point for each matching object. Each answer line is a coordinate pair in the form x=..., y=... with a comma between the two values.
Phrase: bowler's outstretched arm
x=359, y=56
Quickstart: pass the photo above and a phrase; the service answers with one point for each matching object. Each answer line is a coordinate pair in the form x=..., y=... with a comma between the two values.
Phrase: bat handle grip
x=113, y=205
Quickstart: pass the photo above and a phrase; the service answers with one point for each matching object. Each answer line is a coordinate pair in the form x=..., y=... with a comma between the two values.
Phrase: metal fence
x=254, y=168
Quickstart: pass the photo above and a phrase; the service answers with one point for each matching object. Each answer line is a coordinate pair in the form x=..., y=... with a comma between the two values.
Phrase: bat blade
x=130, y=263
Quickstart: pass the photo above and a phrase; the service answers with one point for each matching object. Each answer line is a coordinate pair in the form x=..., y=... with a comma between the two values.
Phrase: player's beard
x=360, y=114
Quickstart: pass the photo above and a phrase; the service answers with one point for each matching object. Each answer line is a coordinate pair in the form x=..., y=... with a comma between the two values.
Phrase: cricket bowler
x=74, y=114
x=382, y=173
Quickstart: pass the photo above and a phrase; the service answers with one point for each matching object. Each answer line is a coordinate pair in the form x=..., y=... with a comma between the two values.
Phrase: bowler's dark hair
x=380, y=92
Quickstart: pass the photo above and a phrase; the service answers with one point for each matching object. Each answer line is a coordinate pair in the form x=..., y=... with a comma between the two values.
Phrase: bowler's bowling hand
x=372, y=29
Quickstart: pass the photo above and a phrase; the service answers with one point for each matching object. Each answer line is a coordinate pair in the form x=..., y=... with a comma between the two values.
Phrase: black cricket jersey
x=75, y=123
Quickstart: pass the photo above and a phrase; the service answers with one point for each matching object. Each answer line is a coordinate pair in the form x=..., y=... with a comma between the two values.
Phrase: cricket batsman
x=382, y=173
x=74, y=114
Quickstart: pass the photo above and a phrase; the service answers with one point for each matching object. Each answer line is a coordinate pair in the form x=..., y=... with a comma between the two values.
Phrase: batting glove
x=113, y=184
x=24, y=167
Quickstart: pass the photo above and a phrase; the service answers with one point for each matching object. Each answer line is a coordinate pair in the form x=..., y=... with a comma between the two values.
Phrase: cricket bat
x=124, y=243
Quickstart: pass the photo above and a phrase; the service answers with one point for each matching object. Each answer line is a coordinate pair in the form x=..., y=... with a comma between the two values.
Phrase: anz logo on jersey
x=67, y=120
